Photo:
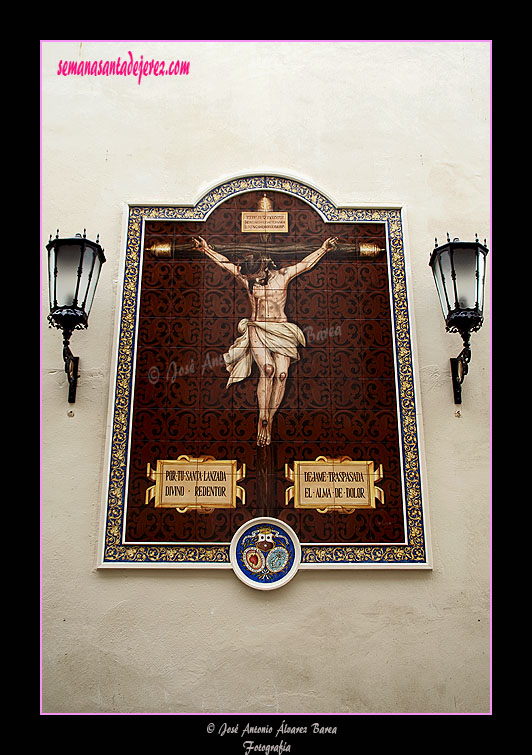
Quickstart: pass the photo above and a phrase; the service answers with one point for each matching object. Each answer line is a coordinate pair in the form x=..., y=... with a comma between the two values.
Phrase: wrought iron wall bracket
x=459, y=369
x=71, y=369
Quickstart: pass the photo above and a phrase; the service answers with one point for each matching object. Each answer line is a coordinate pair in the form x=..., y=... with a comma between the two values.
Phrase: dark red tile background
x=340, y=397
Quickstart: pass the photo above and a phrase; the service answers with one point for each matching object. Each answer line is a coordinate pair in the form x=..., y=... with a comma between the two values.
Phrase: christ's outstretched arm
x=311, y=259
x=200, y=243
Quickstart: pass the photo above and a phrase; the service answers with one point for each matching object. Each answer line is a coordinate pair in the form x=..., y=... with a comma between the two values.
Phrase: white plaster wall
x=365, y=122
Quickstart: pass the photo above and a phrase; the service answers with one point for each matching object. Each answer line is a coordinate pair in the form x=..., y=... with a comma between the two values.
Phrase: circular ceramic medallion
x=265, y=553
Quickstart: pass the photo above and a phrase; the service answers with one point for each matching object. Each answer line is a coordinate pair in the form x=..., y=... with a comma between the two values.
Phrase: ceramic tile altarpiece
x=265, y=370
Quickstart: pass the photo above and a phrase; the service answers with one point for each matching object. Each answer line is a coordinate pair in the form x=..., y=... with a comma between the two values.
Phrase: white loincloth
x=277, y=337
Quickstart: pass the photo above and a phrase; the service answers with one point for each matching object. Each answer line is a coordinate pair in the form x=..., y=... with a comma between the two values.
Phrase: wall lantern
x=459, y=272
x=74, y=266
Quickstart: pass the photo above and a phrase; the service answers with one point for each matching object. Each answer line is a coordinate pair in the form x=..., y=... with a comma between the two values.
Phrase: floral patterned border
x=114, y=552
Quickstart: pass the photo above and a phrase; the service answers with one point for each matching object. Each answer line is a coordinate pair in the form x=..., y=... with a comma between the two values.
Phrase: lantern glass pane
x=481, y=277
x=442, y=276
x=51, y=276
x=91, y=275
x=465, y=266
x=67, y=258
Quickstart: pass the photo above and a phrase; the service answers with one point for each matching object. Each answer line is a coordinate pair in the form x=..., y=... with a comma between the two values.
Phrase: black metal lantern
x=459, y=269
x=74, y=266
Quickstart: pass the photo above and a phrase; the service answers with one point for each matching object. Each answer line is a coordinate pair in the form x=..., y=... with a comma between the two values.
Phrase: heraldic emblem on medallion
x=265, y=553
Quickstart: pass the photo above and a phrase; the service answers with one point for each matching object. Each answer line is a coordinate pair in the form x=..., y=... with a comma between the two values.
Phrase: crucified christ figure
x=266, y=336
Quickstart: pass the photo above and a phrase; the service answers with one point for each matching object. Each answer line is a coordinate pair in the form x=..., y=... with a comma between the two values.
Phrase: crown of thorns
x=252, y=264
